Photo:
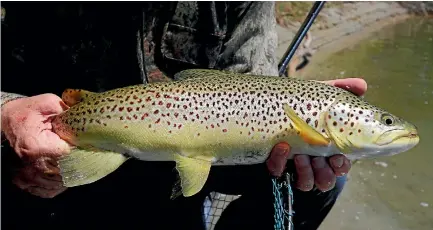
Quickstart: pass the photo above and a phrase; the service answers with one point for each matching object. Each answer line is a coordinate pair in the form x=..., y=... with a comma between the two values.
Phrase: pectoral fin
x=193, y=174
x=74, y=96
x=82, y=166
x=307, y=133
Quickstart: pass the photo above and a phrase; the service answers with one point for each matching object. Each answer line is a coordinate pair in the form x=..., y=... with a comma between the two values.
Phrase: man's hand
x=26, y=123
x=316, y=171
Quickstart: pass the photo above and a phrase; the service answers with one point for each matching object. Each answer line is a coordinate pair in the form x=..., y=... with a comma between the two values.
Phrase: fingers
x=304, y=172
x=324, y=176
x=340, y=165
x=45, y=193
x=38, y=183
x=278, y=159
x=28, y=177
x=46, y=165
x=50, y=144
x=357, y=86
x=48, y=104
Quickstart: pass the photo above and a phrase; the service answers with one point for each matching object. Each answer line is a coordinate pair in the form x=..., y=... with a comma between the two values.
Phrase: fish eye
x=387, y=119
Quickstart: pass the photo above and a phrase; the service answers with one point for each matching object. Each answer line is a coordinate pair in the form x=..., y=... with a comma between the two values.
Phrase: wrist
x=7, y=97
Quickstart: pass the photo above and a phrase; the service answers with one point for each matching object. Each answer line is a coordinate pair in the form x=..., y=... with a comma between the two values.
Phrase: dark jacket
x=47, y=47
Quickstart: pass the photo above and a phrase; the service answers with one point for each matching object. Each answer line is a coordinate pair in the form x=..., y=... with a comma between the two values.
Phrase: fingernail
x=338, y=162
x=282, y=151
x=319, y=162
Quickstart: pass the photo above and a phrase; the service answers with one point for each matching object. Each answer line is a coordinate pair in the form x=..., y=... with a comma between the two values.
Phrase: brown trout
x=214, y=118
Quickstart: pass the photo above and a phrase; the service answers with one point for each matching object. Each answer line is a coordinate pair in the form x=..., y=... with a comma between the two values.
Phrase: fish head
x=362, y=130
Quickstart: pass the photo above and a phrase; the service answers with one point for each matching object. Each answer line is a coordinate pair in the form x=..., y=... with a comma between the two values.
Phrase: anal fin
x=193, y=173
x=307, y=133
x=82, y=166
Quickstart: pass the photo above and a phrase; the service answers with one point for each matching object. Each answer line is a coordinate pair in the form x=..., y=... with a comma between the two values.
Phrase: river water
x=390, y=192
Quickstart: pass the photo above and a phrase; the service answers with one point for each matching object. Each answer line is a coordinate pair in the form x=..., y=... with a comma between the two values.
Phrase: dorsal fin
x=199, y=73
x=74, y=96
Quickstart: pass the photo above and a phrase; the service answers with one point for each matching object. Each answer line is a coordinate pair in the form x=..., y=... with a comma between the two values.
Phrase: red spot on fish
x=176, y=115
x=129, y=109
x=121, y=109
x=160, y=103
x=135, y=116
x=157, y=95
x=135, y=97
x=309, y=106
x=101, y=110
x=144, y=116
x=168, y=105
x=176, y=98
x=179, y=126
x=128, y=118
x=184, y=106
x=157, y=121
x=148, y=99
x=224, y=130
x=156, y=112
x=212, y=126
x=314, y=113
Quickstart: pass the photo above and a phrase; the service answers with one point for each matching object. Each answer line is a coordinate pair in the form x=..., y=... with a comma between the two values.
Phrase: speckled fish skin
x=234, y=118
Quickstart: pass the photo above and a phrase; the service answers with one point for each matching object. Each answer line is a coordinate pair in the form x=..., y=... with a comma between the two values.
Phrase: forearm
x=251, y=47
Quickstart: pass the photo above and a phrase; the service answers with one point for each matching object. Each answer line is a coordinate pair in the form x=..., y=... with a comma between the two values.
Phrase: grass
x=293, y=12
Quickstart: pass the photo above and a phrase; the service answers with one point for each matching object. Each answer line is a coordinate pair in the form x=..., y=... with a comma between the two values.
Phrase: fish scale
x=223, y=118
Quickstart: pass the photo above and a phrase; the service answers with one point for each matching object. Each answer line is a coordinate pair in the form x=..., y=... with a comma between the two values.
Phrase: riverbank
x=341, y=24
x=383, y=43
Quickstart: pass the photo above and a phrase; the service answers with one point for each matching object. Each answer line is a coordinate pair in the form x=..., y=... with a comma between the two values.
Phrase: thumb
x=51, y=145
x=278, y=159
x=50, y=104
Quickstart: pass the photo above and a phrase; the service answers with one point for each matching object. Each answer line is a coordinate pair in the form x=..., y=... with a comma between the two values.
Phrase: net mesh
x=283, y=202
x=216, y=203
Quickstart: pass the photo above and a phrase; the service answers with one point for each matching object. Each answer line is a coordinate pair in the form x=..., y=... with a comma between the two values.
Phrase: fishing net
x=216, y=203
x=283, y=203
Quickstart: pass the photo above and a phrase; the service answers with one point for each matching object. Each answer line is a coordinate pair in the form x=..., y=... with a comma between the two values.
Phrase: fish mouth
x=398, y=136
